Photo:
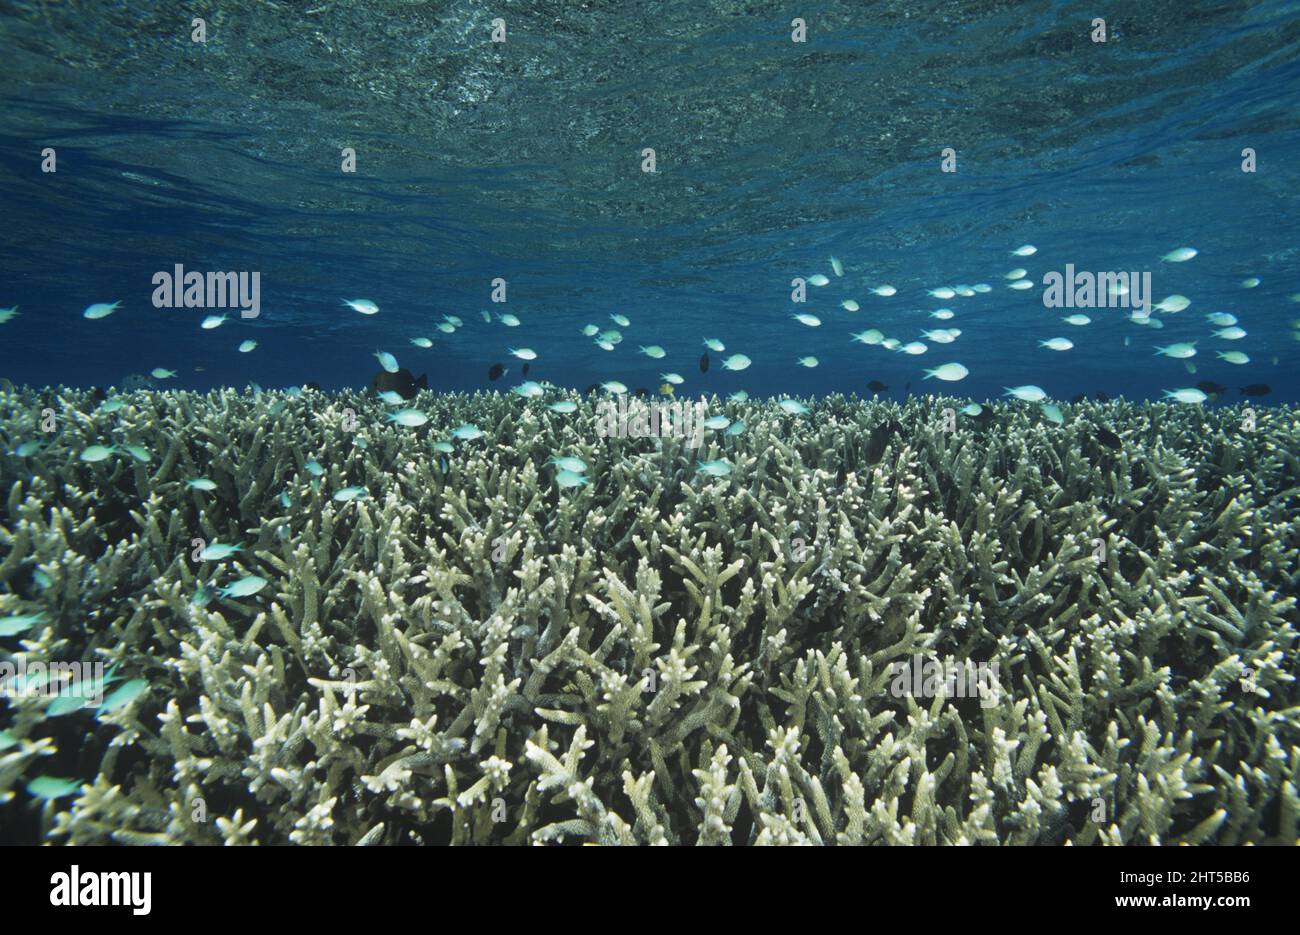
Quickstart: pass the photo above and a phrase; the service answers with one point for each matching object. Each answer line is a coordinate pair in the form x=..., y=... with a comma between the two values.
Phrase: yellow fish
x=666, y=389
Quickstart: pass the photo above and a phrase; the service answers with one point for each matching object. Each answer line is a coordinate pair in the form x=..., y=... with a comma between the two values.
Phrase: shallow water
x=432, y=611
x=522, y=161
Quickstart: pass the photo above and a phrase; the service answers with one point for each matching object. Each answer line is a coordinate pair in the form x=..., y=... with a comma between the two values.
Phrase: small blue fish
x=217, y=551
x=714, y=468
x=467, y=432
x=564, y=406
x=444, y=447
x=244, y=587
x=20, y=623
x=126, y=693
x=314, y=468
x=575, y=465
x=412, y=418
x=100, y=310
x=97, y=453
x=571, y=479
x=387, y=361
x=50, y=788
x=65, y=704
x=351, y=493
x=201, y=483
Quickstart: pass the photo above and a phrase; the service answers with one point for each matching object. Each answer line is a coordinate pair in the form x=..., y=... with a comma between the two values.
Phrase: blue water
x=523, y=161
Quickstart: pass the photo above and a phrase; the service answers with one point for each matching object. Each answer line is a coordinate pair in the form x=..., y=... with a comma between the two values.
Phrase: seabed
x=462, y=650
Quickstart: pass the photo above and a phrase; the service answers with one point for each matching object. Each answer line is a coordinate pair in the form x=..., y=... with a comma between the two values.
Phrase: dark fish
x=98, y=395
x=1212, y=388
x=593, y=389
x=704, y=363
x=402, y=383
x=311, y=386
x=1102, y=397
x=1078, y=398
x=495, y=372
x=907, y=387
x=525, y=370
x=879, y=439
x=641, y=391
x=877, y=387
x=1108, y=438
x=1256, y=389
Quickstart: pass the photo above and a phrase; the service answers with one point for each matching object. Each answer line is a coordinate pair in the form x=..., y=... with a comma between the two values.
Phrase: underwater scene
x=712, y=423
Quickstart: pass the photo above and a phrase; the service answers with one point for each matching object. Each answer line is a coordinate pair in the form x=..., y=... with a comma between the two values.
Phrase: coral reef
x=465, y=652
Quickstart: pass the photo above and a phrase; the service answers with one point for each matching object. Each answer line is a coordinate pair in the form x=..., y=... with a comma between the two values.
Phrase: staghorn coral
x=472, y=655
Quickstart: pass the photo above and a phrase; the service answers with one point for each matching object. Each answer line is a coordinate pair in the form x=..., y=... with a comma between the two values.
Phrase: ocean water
x=453, y=626
x=522, y=161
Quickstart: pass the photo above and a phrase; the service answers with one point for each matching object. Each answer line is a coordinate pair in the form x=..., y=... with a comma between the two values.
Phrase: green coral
x=472, y=655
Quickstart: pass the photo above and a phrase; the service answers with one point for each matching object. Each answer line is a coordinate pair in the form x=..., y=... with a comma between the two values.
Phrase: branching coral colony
x=421, y=645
